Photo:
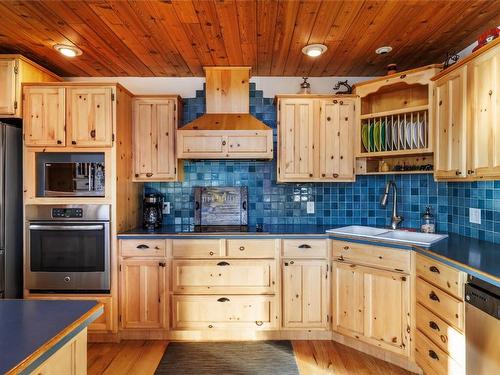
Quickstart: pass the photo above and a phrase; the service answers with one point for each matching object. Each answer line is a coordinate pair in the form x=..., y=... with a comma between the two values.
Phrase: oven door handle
x=66, y=227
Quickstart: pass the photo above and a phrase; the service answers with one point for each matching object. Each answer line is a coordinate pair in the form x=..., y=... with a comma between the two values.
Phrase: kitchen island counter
x=32, y=331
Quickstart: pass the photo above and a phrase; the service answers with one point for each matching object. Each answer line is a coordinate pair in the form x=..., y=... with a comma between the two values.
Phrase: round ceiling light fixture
x=383, y=50
x=68, y=51
x=314, y=50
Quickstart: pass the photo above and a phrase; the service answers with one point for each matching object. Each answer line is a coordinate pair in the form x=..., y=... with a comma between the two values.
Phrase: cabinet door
x=485, y=113
x=90, y=116
x=336, y=137
x=386, y=308
x=154, y=135
x=451, y=126
x=296, y=139
x=44, y=116
x=347, y=299
x=143, y=294
x=305, y=297
x=8, y=87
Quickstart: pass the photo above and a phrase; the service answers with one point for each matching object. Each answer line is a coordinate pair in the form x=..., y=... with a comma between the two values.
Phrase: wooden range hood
x=227, y=130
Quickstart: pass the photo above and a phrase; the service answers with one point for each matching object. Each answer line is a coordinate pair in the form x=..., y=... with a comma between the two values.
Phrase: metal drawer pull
x=304, y=246
x=434, y=269
x=259, y=322
x=434, y=326
x=433, y=355
x=433, y=296
x=223, y=264
x=242, y=248
x=142, y=246
x=223, y=299
x=65, y=227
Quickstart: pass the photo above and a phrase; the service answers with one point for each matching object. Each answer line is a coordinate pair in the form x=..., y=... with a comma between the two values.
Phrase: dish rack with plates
x=395, y=132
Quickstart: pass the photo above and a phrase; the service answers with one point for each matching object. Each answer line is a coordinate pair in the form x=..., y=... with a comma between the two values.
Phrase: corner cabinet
x=466, y=116
x=155, y=125
x=316, y=138
x=14, y=70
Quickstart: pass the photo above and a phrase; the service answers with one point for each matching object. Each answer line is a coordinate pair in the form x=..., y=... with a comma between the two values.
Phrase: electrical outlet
x=310, y=207
x=166, y=208
x=475, y=215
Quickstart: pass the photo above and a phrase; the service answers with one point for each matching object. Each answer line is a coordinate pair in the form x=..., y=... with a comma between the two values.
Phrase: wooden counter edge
x=56, y=342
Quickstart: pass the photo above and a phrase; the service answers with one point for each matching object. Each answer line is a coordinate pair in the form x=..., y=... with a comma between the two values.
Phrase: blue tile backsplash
x=335, y=203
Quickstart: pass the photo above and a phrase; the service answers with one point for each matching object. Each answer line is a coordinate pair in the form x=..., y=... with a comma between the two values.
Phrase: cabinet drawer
x=445, y=336
x=251, y=248
x=371, y=255
x=224, y=311
x=434, y=360
x=231, y=276
x=305, y=248
x=203, y=248
x=441, y=303
x=437, y=273
x=145, y=248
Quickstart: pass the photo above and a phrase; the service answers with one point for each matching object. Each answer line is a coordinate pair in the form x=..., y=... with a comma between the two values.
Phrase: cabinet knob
x=223, y=143
x=149, y=174
x=59, y=142
x=434, y=269
x=341, y=102
x=434, y=326
x=402, y=76
x=136, y=175
x=490, y=92
x=328, y=118
x=323, y=175
x=310, y=174
x=346, y=247
x=335, y=102
x=242, y=248
x=210, y=326
x=259, y=322
x=73, y=142
x=211, y=253
x=433, y=355
x=335, y=175
x=433, y=296
x=458, y=173
x=92, y=133
x=162, y=264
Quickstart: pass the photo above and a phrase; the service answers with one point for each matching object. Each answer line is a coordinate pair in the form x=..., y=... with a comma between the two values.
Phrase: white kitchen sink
x=389, y=235
x=415, y=238
x=358, y=230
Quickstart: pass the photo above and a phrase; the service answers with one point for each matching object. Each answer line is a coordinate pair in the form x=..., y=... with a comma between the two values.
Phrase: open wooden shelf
x=400, y=111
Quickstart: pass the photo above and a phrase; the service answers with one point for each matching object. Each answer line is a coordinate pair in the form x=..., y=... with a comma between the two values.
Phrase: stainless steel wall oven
x=68, y=248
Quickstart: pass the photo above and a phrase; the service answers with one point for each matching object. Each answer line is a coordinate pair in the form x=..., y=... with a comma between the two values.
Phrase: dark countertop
x=477, y=257
x=167, y=231
x=28, y=328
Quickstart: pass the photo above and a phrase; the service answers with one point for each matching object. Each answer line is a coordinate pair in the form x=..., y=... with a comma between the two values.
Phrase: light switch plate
x=310, y=207
x=475, y=215
x=166, y=208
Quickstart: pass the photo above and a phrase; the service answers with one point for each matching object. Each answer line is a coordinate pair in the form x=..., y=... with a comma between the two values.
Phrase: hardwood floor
x=313, y=358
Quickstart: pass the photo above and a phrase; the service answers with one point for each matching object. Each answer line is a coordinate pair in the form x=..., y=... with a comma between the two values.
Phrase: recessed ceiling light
x=68, y=51
x=314, y=50
x=383, y=50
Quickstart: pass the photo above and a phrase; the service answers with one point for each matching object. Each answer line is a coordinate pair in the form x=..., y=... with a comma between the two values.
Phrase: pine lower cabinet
x=305, y=293
x=372, y=304
x=440, y=317
x=143, y=284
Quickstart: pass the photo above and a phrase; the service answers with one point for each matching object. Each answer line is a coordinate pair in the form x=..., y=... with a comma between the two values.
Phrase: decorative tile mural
x=335, y=203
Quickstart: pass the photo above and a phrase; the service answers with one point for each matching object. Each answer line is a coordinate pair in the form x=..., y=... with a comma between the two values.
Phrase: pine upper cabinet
x=467, y=103
x=305, y=296
x=89, y=116
x=15, y=70
x=316, y=138
x=44, y=116
x=336, y=139
x=155, y=124
x=450, y=106
x=484, y=86
x=143, y=293
x=296, y=140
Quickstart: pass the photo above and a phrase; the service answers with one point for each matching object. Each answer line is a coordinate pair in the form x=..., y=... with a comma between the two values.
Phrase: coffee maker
x=152, y=211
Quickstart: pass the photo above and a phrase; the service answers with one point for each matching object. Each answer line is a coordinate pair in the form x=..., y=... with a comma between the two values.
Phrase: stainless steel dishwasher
x=482, y=327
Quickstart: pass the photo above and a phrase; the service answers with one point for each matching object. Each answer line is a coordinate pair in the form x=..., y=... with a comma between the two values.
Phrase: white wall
x=187, y=86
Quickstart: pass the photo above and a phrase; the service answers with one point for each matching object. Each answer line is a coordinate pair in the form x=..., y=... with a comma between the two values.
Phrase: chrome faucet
x=395, y=219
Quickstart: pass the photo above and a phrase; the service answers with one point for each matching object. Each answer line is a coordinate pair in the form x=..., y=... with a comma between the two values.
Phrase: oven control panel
x=67, y=213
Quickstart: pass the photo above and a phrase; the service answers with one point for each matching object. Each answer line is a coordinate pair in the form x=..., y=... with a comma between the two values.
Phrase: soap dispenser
x=428, y=221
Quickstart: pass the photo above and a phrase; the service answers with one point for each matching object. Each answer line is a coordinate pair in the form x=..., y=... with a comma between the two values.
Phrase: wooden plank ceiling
x=179, y=37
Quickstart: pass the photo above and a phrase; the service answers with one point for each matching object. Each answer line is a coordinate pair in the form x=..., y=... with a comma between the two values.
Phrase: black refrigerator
x=11, y=211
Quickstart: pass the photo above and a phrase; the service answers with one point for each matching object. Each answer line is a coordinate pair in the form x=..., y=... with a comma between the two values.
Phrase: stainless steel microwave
x=61, y=174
